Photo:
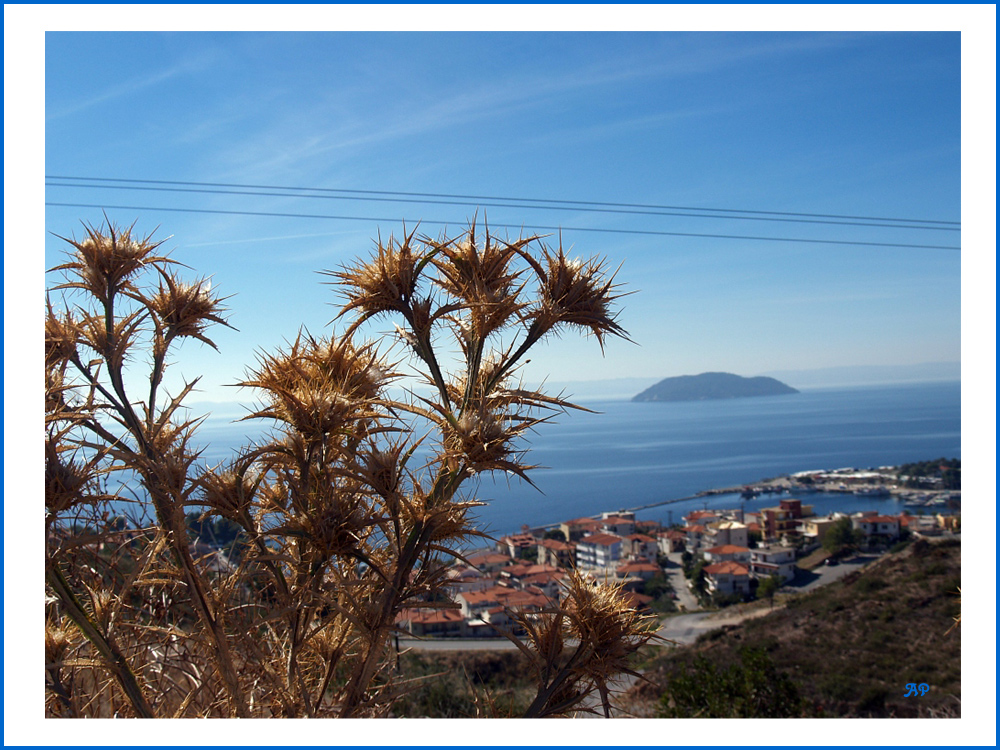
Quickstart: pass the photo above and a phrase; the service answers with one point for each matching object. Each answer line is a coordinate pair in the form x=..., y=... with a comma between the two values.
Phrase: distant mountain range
x=713, y=385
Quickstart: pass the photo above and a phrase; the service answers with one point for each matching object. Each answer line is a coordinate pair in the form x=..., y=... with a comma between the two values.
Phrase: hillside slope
x=853, y=646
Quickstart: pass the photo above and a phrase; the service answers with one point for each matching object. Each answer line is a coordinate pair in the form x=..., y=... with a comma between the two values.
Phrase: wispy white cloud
x=129, y=87
x=351, y=119
x=276, y=238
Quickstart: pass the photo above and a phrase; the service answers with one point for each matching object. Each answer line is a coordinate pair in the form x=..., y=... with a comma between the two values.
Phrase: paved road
x=457, y=644
x=675, y=574
x=807, y=580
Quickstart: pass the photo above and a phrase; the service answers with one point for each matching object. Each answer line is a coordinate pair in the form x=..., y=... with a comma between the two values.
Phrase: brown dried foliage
x=339, y=529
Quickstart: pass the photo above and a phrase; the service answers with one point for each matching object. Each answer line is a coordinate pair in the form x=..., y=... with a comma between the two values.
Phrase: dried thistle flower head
x=57, y=642
x=61, y=334
x=384, y=284
x=68, y=482
x=318, y=386
x=577, y=293
x=482, y=440
x=605, y=625
x=228, y=493
x=482, y=278
x=444, y=521
x=382, y=471
x=186, y=309
x=107, y=259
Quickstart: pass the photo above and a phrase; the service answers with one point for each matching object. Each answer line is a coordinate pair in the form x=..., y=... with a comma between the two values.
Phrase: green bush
x=753, y=688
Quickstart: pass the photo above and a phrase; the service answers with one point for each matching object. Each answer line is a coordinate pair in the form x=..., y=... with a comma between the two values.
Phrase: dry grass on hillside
x=853, y=646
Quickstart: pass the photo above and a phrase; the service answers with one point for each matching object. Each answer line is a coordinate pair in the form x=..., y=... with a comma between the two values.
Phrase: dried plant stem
x=105, y=645
x=59, y=689
x=224, y=659
x=381, y=629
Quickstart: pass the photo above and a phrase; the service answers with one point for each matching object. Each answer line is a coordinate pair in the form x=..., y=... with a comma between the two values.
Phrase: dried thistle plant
x=342, y=526
x=582, y=646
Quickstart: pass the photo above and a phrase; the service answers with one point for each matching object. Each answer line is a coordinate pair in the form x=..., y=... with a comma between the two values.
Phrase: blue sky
x=854, y=124
x=853, y=111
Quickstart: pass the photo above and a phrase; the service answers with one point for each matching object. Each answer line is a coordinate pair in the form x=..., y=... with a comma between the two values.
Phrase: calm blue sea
x=636, y=454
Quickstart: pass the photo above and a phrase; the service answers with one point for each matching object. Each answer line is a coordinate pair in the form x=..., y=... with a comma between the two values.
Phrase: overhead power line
x=652, y=232
x=510, y=202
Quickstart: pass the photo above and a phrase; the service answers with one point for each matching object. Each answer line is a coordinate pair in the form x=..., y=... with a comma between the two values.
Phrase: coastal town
x=712, y=559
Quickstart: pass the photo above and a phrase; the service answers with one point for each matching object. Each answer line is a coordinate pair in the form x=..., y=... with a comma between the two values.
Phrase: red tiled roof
x=638, y=567
x=430, y=616
x=728, y=567
x=519, y=540
x=881, y=519
x=696, y=514
x=602, y=540
x=583, y=522
x=555, y=544
x=636, y=600
x=540, y=579
x=489, y=595
x=640, y=538
x=515, y=598
x=529, y=569
x=488, y=558
x=727, y=549
x=697, y=528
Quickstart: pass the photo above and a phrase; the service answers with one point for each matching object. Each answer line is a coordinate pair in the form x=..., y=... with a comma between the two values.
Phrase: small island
x=711, y=386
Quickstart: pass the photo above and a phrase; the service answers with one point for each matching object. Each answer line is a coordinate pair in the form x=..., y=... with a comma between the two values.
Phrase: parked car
x=831, y=561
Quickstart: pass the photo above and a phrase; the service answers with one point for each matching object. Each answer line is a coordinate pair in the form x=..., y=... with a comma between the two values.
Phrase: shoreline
x=782, y=485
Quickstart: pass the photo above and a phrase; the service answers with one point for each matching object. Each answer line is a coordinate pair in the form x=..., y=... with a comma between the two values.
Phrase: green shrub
x=753, y=688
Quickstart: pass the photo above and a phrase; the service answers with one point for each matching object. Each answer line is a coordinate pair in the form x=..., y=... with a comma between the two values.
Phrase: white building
x=874, y=525
x=768, y=561
x=727, y=532
x=727, y=552
x=727, y=578
x=598, y=551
